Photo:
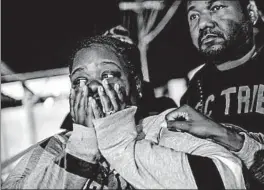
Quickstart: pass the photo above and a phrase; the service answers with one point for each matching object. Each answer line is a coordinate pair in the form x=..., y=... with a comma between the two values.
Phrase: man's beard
x=234, y=46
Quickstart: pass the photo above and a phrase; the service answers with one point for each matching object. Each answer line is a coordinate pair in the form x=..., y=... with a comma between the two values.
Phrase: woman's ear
x=253, y=12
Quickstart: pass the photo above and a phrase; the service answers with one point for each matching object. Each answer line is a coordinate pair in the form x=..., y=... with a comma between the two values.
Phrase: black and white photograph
x=132, y=94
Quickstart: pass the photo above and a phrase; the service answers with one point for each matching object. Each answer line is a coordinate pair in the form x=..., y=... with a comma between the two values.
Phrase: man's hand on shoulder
x=187, y=119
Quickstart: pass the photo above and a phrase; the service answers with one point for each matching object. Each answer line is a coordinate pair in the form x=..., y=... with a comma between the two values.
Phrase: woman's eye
x=193, y=16
x=80, y=82
x=217, y=7
x=107, y=75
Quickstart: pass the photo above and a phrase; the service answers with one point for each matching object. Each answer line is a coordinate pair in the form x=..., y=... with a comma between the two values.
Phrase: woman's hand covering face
x=80, y=107
x=85, y=108
x=112, y=99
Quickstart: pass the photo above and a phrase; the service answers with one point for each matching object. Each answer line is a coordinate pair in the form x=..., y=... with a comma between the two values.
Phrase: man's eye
x=193, y=16
x=107, y=75
x=217, y=7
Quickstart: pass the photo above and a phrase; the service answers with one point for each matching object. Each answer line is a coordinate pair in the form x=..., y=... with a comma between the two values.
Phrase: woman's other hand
x=112, y=99
x=80, y=107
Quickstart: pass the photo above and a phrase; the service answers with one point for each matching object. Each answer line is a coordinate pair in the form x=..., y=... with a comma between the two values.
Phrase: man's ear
x=253, y=12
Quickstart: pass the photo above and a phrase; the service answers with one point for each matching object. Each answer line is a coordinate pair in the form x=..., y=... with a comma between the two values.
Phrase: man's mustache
x=204, y=33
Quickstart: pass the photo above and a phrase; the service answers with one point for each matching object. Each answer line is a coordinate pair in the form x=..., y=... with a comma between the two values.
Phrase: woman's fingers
x=112, y=98
x=105, y=101
x=112, y=95
x=81, y=112
x=89, y=114
x=96, y=109
x=77, y=103
x=121, y=95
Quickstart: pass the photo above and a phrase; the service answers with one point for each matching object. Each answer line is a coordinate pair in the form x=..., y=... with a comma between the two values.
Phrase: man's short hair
x=243, y=3
x=183, y=9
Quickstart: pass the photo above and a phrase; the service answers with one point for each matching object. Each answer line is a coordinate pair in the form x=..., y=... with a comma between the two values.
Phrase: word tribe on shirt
x=248, y=99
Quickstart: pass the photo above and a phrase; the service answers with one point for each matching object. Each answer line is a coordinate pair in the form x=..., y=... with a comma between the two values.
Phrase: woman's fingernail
x=82, y=83
x=100, y=90
x=105, y=82
x=84, y=88
x=90, y=99
x=117, y=87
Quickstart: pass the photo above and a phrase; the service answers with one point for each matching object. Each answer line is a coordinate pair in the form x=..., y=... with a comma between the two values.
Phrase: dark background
x=38, y=35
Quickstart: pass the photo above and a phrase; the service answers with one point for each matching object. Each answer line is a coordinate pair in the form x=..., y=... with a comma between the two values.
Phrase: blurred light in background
x=52, y=86
x=49, y=102
x=176, y=88
x=45, y=115
x=13, y=89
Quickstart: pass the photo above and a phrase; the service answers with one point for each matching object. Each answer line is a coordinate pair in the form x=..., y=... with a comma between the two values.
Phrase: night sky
x=38, y=34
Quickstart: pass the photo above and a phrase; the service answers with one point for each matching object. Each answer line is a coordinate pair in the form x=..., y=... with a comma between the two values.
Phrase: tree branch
x=152, y=18
x=163, y=22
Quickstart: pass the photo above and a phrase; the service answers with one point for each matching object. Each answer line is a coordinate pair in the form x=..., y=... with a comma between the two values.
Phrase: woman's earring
x=139, y=91
x=140, y=94
x=252, y=17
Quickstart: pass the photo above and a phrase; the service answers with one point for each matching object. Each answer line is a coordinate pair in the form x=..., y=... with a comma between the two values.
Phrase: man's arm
x=251, y=152
x=144, y=164
x=244, y=145
x=58, y=163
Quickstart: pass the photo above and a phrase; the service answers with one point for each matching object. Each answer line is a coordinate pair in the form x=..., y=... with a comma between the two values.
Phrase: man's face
x=217, y=27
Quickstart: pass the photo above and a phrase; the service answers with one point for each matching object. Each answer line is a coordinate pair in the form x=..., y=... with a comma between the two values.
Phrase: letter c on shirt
x=210, y=98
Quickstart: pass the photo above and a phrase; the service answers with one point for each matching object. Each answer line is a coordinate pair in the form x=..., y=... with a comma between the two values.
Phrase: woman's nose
x=93, y=87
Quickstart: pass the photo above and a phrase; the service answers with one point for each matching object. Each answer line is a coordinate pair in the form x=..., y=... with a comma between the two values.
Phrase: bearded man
x=229, y=89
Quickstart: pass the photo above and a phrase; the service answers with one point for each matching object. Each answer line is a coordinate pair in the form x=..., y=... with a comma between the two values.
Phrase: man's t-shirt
x=233, y=96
